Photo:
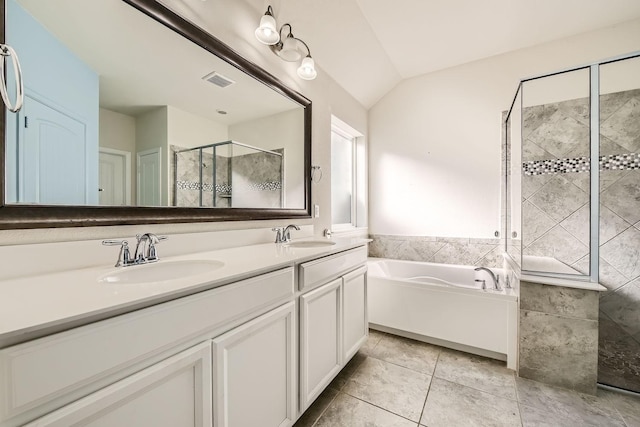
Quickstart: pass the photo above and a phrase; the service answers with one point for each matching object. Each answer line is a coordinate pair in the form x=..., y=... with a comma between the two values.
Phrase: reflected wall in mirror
x=114, y=99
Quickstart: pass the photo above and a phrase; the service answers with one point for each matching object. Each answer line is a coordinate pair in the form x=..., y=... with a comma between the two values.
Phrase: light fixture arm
x=290, y=30
x=305, y=45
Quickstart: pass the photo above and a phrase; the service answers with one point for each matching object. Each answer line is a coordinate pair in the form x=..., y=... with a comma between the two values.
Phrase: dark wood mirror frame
x=34, y=216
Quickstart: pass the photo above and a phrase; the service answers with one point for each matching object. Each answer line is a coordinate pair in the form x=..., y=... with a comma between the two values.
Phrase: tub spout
x=496, y=279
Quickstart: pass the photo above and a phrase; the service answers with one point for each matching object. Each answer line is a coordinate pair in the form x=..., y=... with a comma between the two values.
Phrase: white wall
x=235, y=27
x=284, y=130
x=118, y=131
x=189, y=130
x=435, y=139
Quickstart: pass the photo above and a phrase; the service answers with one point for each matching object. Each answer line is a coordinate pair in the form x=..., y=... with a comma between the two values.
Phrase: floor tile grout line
x=325, y=409
x=517, y=401
x=402, y=366
x=379, y=407
x=424, y=405
x=477, y=389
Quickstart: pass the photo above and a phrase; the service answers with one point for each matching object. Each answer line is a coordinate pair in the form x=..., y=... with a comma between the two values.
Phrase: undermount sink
x=310, y=244
x=160, y=271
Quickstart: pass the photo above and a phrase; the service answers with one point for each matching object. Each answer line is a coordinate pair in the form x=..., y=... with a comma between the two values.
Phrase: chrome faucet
x=286, y=233
x=146, y=254
x=496, y=279
x=283, y=235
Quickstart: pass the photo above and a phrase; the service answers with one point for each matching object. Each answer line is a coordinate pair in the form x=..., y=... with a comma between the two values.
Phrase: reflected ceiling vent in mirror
x=218, y=79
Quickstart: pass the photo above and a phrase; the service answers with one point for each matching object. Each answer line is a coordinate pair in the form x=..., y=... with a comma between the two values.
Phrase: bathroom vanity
x=253, y=342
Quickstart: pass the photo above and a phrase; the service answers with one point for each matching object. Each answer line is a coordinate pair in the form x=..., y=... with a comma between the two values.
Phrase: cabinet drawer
x=57, y=367
x=315, y=273
x=174, y=392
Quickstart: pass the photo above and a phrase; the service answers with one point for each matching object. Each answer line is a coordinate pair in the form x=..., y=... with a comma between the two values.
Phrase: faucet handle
x=484, y=283
x=124, y=256
x=279, y=232
x=152, y=254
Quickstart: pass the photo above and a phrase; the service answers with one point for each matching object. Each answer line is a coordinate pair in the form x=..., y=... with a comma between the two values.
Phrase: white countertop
x=35, y=306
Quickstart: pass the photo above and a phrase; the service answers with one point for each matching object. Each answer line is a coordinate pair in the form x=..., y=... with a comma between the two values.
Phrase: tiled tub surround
x=442, y=250
x=394, y=381
x=556, y=215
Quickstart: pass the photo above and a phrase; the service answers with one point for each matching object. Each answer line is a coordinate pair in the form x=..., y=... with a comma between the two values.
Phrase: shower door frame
x=594, y=196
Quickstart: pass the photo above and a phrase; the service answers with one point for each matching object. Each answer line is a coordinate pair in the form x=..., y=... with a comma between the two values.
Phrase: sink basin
x=310, y=244
x=160, y=271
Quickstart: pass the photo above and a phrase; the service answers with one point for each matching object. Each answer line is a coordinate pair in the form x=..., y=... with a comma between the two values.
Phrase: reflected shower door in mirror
x=556, y=147
x=228, y=174
x=110, y=96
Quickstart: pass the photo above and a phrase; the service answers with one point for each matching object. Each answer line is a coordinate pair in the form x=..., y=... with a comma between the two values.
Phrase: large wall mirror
x=134, y=115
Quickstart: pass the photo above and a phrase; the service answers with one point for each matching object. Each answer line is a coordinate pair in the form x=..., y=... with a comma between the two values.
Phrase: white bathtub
x=444, y=305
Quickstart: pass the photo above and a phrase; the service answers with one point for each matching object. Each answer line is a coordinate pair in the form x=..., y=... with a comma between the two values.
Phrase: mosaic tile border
x=266, y=186
x=630, y=161
x=226, y=188
x=193, y=185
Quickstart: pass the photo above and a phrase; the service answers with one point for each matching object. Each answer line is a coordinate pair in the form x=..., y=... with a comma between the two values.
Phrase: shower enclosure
x=573, y=194
x=228, y=174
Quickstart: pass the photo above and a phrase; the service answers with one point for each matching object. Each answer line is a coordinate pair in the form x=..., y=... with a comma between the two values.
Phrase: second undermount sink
x=310, y=244
x=160, y=271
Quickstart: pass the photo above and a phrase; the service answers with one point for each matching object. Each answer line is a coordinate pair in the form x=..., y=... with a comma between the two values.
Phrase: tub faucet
x=496, y=279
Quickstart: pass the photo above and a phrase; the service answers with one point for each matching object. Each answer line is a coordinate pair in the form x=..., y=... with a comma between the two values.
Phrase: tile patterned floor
x=394, y=381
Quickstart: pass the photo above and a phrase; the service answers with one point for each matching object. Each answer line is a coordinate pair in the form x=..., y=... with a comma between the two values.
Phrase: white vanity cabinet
x=354, y=312
x=255, y=372
x=333, y=318
x=43, y=375
x=254, y=352
x=320, y=338
x=174, y=392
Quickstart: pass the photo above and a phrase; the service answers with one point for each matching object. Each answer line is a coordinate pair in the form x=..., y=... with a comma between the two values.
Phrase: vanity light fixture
x=288, y=49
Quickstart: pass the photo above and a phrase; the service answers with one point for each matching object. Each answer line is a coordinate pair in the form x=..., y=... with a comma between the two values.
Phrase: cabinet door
x=255, y=372
x=354, y=311
x=321, y=340
x=173, y=393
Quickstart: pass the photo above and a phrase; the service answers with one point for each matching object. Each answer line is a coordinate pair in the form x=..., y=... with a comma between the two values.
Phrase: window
x=347, y=177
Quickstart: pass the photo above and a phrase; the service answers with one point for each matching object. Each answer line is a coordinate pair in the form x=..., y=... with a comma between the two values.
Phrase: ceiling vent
x=218, y=79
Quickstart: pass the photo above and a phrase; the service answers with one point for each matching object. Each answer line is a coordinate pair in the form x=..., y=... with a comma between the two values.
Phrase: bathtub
x=444, y=305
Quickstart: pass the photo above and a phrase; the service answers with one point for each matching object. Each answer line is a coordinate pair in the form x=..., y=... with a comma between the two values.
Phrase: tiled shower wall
x=444, y=250
x=256, y=180
x=555, y=213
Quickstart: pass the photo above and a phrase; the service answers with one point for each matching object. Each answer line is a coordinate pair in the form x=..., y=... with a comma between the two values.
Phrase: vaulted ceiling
x=368, y=46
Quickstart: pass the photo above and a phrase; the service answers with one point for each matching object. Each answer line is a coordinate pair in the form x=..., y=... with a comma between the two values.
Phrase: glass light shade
x=307, y=69
x=290, y=50
x=267, y=33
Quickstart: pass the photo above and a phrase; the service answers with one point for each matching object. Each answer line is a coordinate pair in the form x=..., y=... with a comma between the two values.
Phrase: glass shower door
x=556, y=149
x=619, y=326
